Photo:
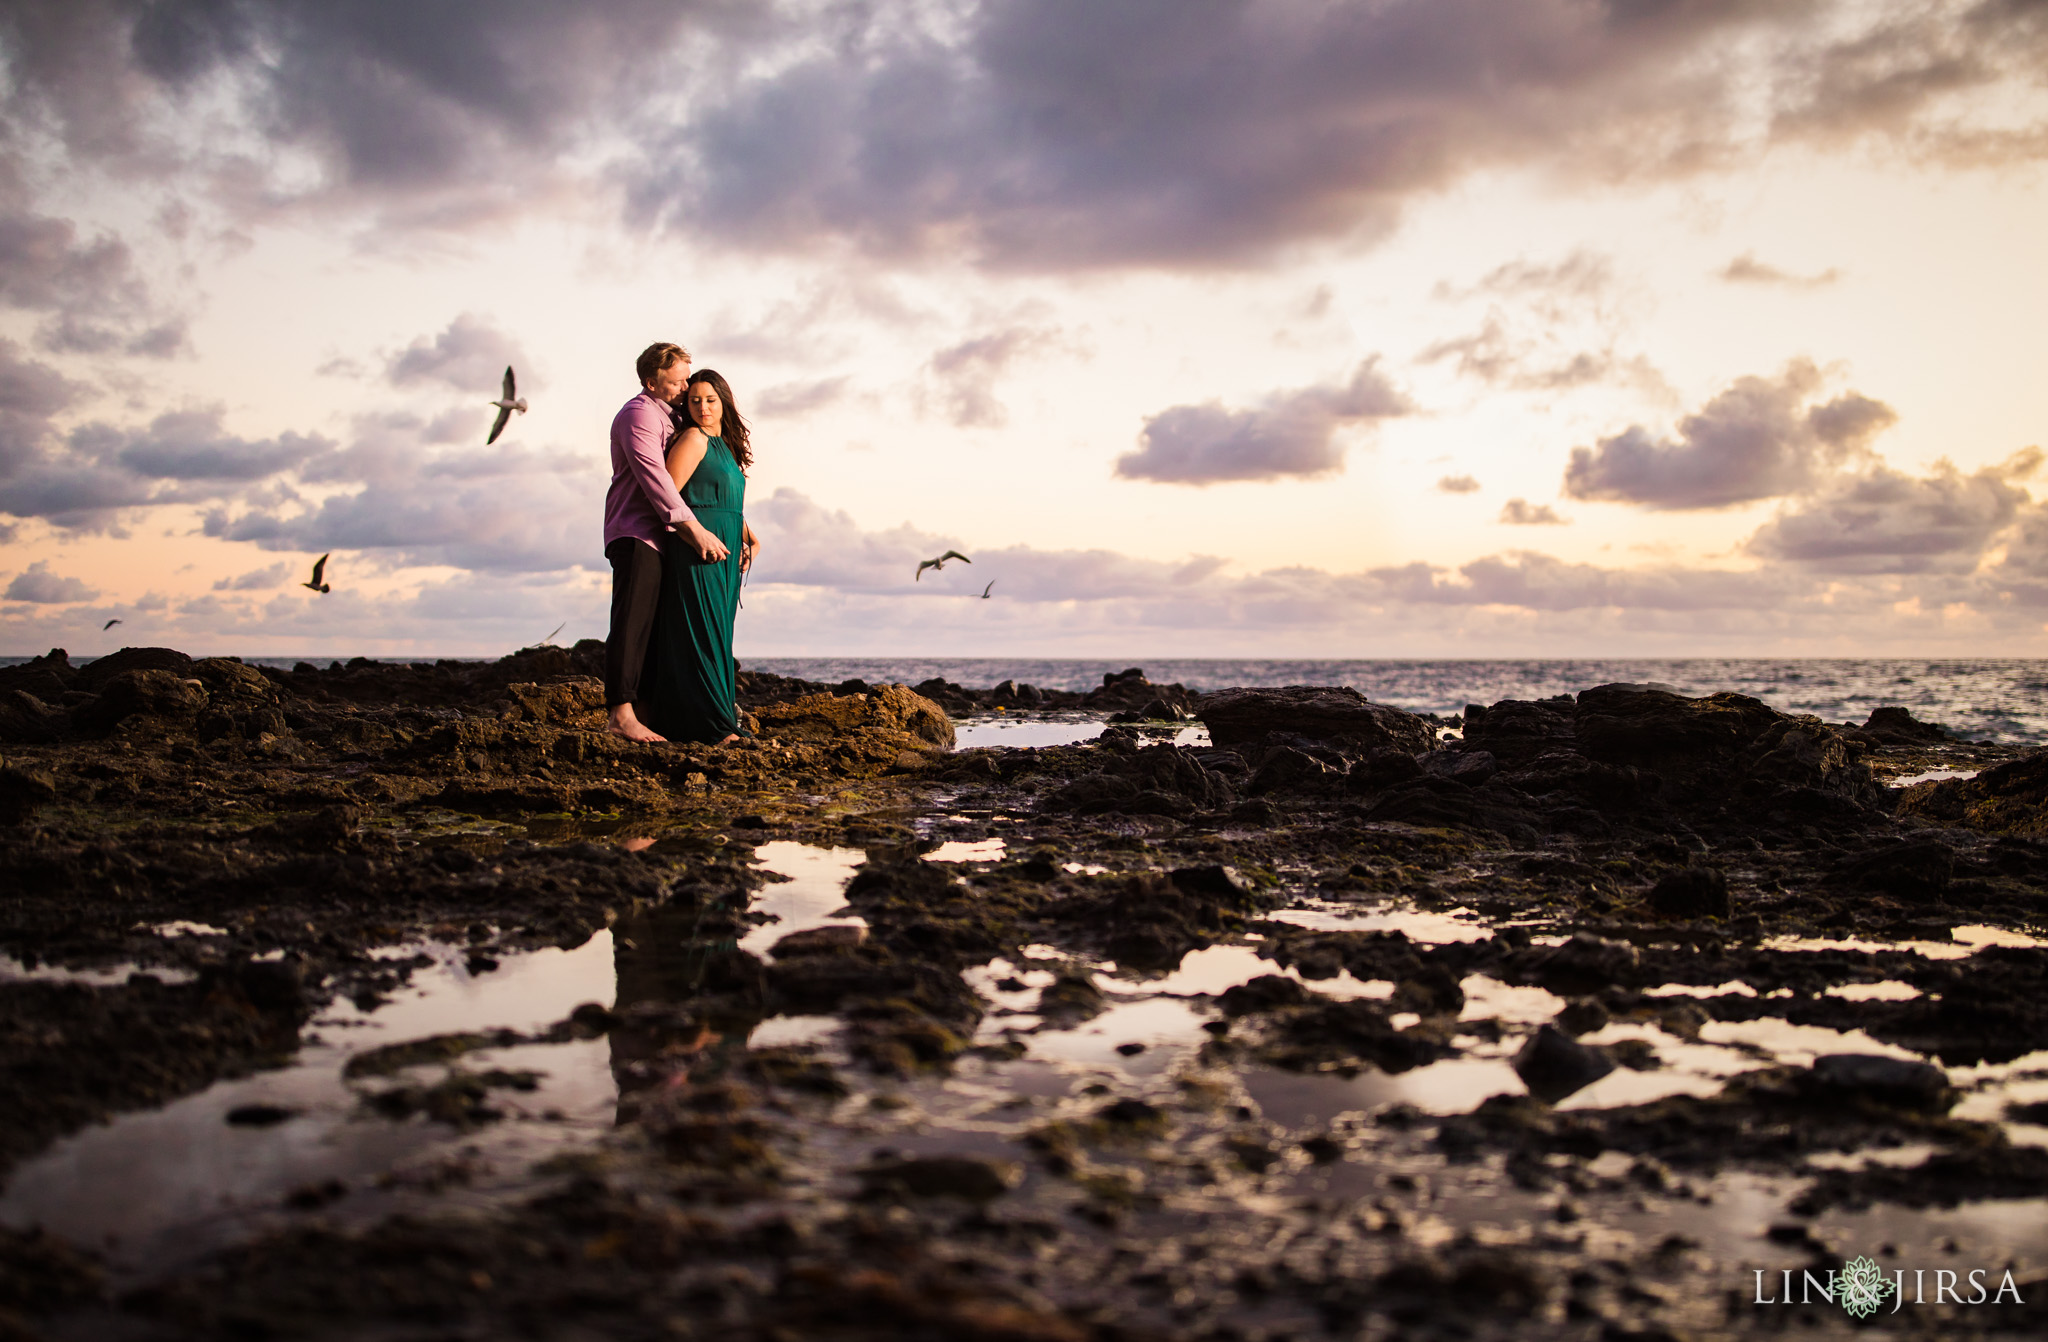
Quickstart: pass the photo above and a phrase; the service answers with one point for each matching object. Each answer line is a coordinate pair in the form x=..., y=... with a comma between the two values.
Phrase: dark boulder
x=1324, y=713
x=1468, y=766
x=973, y=1178
x=94, y=676
x=1691, y=892
x=1720, y=744
x=1586, y=964
x=1289, y=770
x=151, y=694
x=1895, y=1083
x=27, y=720
x=1896, y=727
x=1917, y=871
x=1267, y=992
x=1517, y=731
x=1553, y=1064
x=2009, y=798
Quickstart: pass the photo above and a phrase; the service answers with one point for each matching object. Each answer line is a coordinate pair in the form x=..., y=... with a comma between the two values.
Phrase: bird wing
x=508, y=382
x=556, y=630
x=319, y=567
x=955, y=554
x=991, y=584
x=108, y=625
x=922, y=566
x=498, y=427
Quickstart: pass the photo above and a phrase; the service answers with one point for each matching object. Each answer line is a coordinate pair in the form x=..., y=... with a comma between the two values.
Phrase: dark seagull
x=109, y=624
x=506, y=404
x=985, y=590
x=940, y=562
x=319, y=567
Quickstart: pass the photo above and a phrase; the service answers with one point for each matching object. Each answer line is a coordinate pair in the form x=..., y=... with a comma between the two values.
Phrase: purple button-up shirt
x=642, y=502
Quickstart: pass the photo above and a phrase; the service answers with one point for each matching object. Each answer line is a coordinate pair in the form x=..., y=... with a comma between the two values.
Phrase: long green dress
x=688, y=692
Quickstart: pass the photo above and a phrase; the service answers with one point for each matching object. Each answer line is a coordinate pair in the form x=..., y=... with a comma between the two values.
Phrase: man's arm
x=647, y=434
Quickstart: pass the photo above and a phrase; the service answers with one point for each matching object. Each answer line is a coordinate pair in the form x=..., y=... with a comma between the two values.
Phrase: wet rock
x=1267, y=992
x=1896, y=1083
x=2008, y=798
x=1432, y=990
x=1553, y=1064
x=1469, y=767
x=1087, y=792
x=1897, y=726
x=23, y=792
x=819, y=940
x=1288, y=770
x=1691, y=892
x=259, y=1115
x=1517, y=731
x=885, y=710
x=1918, y=871
x=1706, y=747
x=1381, y=768
x=1215, y=882
x=1586, y=964
x=27, y=720
x=1070, y=999
x=974, y=1178
x=1325, y=713
x=95, y=675
x=148, y=693
x=1584, y=1015
x=1340, y=1034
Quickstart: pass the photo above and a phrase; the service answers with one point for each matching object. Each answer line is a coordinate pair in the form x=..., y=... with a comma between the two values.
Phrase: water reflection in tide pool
x=159, y=1185
x=813, y=893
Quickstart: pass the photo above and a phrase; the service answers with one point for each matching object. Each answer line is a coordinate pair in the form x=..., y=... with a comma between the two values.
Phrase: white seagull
x=506, y=405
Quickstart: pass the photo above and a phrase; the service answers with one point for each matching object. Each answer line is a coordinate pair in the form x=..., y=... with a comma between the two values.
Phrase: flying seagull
x=940, y=562
x=109, y=625
x=506, y=405
x=985, y=590
x=557, y=629
x=319, y=567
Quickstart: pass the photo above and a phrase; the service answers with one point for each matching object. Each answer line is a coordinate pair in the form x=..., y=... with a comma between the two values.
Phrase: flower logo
x=1862, y=1287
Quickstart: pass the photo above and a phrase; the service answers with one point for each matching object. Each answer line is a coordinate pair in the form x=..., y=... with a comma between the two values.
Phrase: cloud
x=1290, y=434
x=1583, y=278
x=1458, y=484
x=92, y=291
x=1746, y=269
x=1757, y=439
x=410, y=501
x=45, y=588
x=1522, y=513
x=801, y=398
x=470, y=355
x=963, y=376
x=31, y=394
x=1492, y=355
x=1886, y=522
x=256, y=580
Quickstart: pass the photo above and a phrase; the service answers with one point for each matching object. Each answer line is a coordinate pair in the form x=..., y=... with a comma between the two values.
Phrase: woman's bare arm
x=685, y=451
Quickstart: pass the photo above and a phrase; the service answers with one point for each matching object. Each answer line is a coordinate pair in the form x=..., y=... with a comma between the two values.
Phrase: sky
x=1288, y=328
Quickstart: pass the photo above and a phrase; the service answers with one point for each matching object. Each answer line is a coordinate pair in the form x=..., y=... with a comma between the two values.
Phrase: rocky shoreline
x=1590, y=895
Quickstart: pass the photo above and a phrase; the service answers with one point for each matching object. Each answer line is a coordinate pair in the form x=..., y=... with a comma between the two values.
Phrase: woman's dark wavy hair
x=732, y=426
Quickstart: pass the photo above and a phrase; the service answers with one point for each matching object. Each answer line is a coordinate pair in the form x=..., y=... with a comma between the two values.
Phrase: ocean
x=1981, y=699
x=1984, y=699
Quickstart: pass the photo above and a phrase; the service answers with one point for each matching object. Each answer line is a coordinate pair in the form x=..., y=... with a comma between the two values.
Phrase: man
x=640, y=508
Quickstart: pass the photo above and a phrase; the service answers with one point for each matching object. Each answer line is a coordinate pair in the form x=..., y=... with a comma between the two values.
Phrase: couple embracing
x=678, y=545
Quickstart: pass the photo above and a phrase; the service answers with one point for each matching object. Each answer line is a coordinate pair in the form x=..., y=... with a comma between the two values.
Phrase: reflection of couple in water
x=679, y=546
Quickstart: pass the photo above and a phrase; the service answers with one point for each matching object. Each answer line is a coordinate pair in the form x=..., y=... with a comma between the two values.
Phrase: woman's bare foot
x=730, y=739
x=625, y=722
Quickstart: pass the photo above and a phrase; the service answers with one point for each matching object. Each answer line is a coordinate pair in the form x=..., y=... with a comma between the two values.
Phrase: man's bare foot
x=625, y=722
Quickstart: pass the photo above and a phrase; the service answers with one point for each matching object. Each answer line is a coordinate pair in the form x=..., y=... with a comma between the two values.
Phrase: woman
x=689, y=693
